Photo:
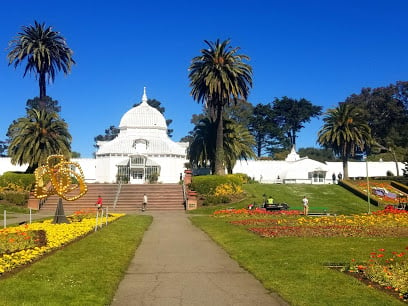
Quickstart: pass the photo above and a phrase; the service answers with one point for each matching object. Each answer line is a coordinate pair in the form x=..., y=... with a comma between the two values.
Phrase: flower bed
x=388, y=269
x=57, y=235
x=382, y=191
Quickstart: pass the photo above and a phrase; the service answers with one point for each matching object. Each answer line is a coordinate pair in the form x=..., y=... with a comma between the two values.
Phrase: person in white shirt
x=305, y=202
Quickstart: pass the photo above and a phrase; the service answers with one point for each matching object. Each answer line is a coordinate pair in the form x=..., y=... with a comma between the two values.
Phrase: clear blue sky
x=322, y=50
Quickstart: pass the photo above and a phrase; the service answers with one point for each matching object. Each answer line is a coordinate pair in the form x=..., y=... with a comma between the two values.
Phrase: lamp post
x=368, y=186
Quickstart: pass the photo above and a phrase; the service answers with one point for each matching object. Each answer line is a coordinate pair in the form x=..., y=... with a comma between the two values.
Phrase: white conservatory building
x=141, y=151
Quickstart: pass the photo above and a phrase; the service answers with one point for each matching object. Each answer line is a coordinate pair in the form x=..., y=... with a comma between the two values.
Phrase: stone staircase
x=123, y=198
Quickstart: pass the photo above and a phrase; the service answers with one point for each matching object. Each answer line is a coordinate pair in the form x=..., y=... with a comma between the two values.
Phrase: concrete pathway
x=177, y=264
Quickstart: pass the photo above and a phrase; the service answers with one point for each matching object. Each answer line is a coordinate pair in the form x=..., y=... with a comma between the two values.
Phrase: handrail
x=184, y=194
x=117, y=195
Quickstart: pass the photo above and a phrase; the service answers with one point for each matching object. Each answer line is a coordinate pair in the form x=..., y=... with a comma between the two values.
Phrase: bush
x=216, y=189
x=212, y=200
x=23, y=181
x=15, y=197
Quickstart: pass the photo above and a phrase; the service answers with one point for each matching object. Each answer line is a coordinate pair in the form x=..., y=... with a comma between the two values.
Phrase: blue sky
x=323, y=51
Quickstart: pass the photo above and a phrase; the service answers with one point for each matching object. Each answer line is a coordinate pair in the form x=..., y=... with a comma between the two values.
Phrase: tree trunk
x=219, y=144
x=42, y=85
x=345, y=168
x=395, y=160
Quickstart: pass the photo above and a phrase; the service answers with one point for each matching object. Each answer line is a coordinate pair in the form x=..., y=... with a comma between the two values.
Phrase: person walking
x=144, y=202
x=305, y=202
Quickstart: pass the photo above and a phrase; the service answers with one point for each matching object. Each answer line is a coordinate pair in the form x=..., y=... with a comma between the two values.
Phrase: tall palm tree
x=345, y=131
x=218, y=77
x=35, y=137
x=45, y=51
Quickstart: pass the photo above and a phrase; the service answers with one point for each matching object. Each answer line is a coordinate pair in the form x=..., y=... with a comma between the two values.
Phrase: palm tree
x=238, y=144
x=345, y=131
x=219, y=77
x=202, y=148
x=35, y=137
x=45, y=51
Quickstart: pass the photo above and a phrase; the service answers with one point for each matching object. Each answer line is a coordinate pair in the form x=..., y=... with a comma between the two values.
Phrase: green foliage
x=153, y=178
x=45, y=52
x=35, y=137
x=15, y=197
x=17, y=181
x=291, y=115
x=207, y=184
x=345, y=131
x=264, y=128
x=385, y=111
x=321, y=155
x=218, y=77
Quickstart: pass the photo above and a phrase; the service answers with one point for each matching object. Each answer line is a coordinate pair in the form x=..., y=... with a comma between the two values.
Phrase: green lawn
x=337, y=199
x=296, y=269
x=86, y=272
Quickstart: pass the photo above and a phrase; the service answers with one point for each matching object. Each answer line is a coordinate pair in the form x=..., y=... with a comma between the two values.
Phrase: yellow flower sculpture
x=60, y=177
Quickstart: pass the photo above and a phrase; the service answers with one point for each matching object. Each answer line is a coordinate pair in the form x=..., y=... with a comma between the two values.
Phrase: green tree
x=3, y=148
x=46, y=103
x=238, y=144
x=345, y=131
x=321, y=154
x=385, y=112
x=45, y=51
x=201, y=151
x=111, y=133
x=219, y=77
x=35, y=137
x=263, y=127
x=291, y=115
x=241, y=112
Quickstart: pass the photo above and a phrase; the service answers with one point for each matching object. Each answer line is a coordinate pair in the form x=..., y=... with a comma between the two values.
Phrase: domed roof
x=143, y=116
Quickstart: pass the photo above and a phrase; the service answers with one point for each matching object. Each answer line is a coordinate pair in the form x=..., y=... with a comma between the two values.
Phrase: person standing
x=334, y=178
x=99, y=203
x=144, y=202
x=305, y=202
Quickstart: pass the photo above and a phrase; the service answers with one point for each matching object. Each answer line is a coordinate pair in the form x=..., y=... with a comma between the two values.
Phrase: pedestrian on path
x=144, y=202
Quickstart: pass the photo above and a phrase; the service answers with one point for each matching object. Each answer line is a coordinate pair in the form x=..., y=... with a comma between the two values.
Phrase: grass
x=86, y=272
x=334, y=197
x=296, y=268
x=12, y=208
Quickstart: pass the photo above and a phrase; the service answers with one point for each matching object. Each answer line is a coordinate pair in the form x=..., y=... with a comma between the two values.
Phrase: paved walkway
x=177, y=264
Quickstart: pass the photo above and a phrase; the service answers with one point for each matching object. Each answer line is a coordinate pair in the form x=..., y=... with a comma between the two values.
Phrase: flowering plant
x=388, y=269
x=15, y=239
x=57, y=235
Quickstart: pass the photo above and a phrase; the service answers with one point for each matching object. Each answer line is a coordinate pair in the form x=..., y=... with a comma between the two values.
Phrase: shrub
x=15, y=197
x=24, y=181
x=216, y=189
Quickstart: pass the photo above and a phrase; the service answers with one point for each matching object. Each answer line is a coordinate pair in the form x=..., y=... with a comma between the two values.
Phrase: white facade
x=308, y=171
x=143, y=149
